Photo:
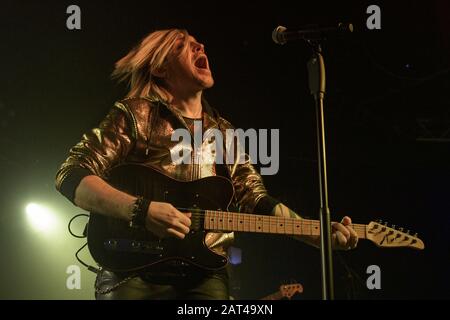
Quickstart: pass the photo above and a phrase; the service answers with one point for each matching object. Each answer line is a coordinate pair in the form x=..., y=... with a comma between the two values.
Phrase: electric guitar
x=117, y=247
x=285, y=291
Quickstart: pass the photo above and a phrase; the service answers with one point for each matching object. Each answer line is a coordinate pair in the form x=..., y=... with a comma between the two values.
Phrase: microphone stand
x=316, y=76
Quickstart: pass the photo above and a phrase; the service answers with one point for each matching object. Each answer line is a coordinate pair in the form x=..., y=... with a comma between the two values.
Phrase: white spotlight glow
x=40, y=218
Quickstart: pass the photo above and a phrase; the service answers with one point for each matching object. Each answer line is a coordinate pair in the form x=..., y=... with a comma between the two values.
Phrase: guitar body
x=117, y=247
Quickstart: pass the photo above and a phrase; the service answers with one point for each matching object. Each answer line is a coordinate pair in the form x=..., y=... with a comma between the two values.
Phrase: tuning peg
x=415, y=234
x=380, y=221
x=400, y=229
x=407, y=231
x=393, y=226
x=386, y=224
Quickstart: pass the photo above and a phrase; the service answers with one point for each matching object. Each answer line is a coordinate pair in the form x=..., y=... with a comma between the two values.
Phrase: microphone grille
x=277, y=35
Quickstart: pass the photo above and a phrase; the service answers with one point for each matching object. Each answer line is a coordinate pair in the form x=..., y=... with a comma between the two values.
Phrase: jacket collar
x=211, y=118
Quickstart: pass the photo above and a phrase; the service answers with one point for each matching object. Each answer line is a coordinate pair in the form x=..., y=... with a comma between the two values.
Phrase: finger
x=341, y=239
x=340, y=227
x=188, y=215
x=177, y=225
x=352, y=242
x=175, y=233
x=353, y=238
x=174, y=222
x=353, y=233
x=181, y=228
x=346, y=221
x=184, y=218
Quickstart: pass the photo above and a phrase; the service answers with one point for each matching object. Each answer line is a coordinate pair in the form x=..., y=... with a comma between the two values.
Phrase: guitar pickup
x=133, y=246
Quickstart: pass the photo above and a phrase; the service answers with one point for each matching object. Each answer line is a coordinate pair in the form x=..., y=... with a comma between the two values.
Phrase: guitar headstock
x=390, y=237
x=288, y=290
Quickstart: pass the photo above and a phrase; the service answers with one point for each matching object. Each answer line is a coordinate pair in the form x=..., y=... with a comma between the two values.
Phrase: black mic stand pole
x=316, y=75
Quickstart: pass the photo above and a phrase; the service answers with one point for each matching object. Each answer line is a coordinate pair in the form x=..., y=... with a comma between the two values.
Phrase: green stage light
x=40, y=217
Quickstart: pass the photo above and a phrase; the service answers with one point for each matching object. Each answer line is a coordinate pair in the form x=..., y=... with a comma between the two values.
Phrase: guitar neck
x=242, y=222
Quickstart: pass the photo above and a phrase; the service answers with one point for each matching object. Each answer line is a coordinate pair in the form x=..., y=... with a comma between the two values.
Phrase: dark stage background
x=387, y=110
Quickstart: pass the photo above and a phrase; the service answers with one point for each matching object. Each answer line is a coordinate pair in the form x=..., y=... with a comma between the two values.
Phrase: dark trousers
x=192, y=286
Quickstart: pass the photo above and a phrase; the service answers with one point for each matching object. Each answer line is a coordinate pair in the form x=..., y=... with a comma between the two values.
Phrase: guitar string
x=272, y=220
x=289, y=223
x=246, y=217
x=243, y=216
x=361, y=229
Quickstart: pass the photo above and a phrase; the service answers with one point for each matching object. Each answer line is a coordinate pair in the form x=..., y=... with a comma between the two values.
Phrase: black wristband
x=139, y=213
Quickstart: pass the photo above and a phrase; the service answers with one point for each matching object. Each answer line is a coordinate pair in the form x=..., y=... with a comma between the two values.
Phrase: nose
x=198, y=47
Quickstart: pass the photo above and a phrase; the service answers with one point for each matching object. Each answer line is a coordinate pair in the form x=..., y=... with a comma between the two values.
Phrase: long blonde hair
x=139, y=64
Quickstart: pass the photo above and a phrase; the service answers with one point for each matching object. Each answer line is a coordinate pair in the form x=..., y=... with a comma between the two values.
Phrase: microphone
x=281, y=35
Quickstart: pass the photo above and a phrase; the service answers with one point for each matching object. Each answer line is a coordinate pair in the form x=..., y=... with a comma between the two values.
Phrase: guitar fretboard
x=232, y=221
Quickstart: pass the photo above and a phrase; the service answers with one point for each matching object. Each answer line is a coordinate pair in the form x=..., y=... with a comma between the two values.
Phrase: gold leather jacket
x=139, y=130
